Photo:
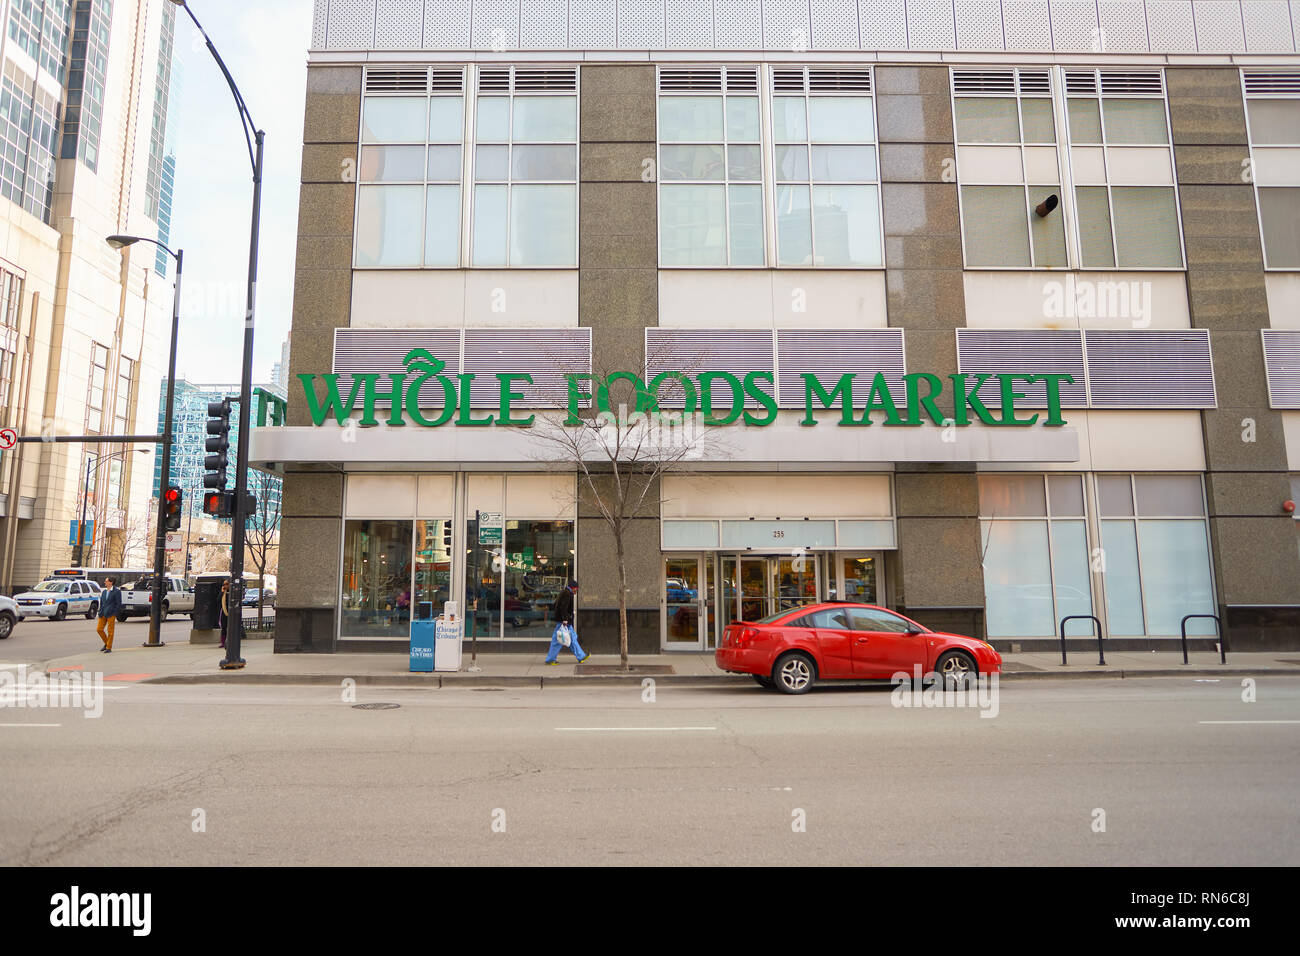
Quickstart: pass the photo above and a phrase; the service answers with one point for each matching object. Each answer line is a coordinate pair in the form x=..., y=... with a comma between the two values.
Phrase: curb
x=437, y=681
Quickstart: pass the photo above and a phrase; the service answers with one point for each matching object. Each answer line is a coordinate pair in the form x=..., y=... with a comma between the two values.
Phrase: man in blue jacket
x=110, y=602
x=564, y=618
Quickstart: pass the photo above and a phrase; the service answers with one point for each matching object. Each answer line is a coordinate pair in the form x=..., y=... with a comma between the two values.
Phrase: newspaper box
x=449, y=632
x=423, y=634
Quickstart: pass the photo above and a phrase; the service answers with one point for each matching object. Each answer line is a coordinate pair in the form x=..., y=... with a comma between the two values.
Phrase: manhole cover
x=383, y=706
x=486, y=688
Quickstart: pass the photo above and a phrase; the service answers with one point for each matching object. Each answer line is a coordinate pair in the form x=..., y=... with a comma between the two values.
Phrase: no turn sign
x=8, y=438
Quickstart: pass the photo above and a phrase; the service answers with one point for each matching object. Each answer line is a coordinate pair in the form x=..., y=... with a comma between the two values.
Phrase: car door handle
x=862, y=640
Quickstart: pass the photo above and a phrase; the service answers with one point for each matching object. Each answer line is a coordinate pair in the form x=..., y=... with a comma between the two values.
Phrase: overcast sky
x=265, y=46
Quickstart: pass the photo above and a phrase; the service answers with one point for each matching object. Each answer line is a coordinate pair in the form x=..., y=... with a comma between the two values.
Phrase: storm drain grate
x=482, y=689
x=379, y=706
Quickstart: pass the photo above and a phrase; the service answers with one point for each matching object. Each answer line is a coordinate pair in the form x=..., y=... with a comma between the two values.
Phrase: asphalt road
x=38, y=641
x=296, y=775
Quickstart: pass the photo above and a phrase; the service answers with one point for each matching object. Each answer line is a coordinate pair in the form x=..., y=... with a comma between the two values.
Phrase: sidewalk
x=183, y=663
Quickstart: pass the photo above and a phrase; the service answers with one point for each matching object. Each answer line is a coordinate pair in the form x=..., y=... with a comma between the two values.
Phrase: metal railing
x=1218, y=627
x=1101, y=652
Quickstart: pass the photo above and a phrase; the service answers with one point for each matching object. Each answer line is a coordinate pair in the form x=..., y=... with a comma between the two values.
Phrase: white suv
x=9, y=616
x=56, y=599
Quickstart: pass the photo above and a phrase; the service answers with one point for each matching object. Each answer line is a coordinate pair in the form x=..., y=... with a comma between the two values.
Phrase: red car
x=794, y=649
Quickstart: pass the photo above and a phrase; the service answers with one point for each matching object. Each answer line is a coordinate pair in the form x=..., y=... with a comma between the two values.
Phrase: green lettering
x=577, y=397
x=509, y=395
x=467, y=406
x=843, y=390
x=879, y=399
x=706, y=397
x=968, y=397
x=762, y=397
x=334, y=404
x=1054, y=381
x=1009, y=396
x=916, y=401
x=688, y=389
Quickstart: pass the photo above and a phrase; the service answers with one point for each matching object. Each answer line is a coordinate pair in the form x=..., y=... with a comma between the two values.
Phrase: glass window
x=1092, y=208
x=394, y=119
x=840, y=119
x=446, y=119
x=1065, y=496
x=836, y=619
x=376, y=590
x=1085, y=120
x=1123, y=582
x=1274, y=122
x=543, y=225
x=1012, y=496
x=995, y=226
x=868, y=619
x=546, y=119
x=511, y=590
x=444, y=164
x=1039, y=126
x=393, y=164
x=1279, y=212
x=1018, y=579
x=1135, y=122
x=1115, y=494
x=986, y=119
x=706, y=140
x=442, y=226
x=789, y=119
x=1047, y=233
x=1071, y=575
x=491, y=221
x=1169, y=495
x=1146, y=227
x=389, y=225
x=1175, y=560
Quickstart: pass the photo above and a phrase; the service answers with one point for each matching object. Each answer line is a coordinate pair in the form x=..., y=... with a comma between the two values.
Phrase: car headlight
x=49, y=600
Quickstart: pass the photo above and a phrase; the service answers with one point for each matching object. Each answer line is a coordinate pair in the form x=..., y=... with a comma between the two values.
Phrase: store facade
x=993, y=339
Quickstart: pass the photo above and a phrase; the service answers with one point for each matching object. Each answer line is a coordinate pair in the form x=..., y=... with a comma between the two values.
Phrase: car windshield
x=52, y=586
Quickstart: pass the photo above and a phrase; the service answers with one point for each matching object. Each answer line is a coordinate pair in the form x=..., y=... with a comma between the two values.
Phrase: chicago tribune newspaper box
x=449, y=632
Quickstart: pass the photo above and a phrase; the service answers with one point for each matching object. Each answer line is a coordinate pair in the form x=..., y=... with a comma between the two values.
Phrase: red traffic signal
x=217, y=504
x=172, y=495
x=172, y=500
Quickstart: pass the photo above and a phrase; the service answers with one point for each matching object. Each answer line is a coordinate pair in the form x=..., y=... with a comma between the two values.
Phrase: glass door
x=796, y=582
x=688, y=580
x=861, y=578
x=755, y=588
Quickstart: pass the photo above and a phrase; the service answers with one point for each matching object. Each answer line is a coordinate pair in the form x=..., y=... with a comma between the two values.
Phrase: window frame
x=1246, y=97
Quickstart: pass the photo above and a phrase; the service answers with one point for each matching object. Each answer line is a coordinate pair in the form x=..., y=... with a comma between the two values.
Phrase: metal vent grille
x=1130, y=82
x=832, y=354
x=447, y=81
x=1025, y=352
x=1150, y=369
x=545, y=354
x=383, y=351
x=693, y=351
x=997, y=82
x=398, y=81
x=839, y=81
x=1282, y=367
x=789, y=81
x=1035, y=81
x=742, y=81
x=1260, y=82
x=494, y=80
x=690, y=81
x=546, y=80
x=1077, y=81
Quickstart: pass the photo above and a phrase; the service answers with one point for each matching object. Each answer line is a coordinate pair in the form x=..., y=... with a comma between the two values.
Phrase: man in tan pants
x=110, y=602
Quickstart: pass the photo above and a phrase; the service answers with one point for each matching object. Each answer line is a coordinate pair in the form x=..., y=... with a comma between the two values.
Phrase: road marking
x=634, y=728
x=31, y=725
x=1249, y=721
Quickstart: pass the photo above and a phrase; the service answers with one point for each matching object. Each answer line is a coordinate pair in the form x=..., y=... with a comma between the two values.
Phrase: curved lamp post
x=256, y=142
x=160, y=531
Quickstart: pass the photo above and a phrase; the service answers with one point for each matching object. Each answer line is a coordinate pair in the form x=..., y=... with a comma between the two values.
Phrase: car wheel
x=794, y=673
x=92, y=610
x=956, y=669
x=60, y=612
x=121, y=617
x=162, y=616
x=6, y=625
x=762, y=681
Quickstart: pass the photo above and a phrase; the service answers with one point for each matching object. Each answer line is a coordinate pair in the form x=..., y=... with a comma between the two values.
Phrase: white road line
x=634, y=728
x=31, y=725
x=1248, y=721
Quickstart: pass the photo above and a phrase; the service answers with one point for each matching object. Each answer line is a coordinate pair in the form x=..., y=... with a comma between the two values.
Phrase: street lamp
x=256, y=142
x=79, y=559
x=160, y=533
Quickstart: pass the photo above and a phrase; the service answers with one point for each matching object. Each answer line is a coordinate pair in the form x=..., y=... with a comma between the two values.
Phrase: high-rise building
x=86, y=151
x=988, y=312
x=280, y=371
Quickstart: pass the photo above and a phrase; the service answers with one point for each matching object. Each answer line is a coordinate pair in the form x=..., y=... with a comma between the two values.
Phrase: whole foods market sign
x=717, y=398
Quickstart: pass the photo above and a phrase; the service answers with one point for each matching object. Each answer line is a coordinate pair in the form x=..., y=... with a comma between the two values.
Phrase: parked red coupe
x=794, y=649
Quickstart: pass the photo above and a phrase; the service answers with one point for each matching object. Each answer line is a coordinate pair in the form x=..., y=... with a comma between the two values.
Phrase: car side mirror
x=912, y=631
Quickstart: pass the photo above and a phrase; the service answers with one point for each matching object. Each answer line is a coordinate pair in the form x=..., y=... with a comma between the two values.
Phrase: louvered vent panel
x=1130, y=82
x=1262, y=82
x=545, y=354
x=1282, y=366
x=1079, y=81
x=742, y=80
x=448, y=81
x=546, y=80
x=1024, y=352
x=690, y=81
x=397, y=81
x=1035, y=81
x=1000, y=82
x=789, y=81
x=494, y=80
x=832, y=354
x=839, y=81
x=692, y=351
x=383, y=350
x=1165, y=368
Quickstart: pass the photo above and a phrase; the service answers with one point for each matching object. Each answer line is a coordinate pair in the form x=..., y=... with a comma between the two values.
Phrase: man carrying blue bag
x=564, y=634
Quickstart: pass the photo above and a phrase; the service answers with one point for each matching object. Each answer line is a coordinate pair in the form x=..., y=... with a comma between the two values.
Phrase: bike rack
x=1101, y=652
x=1218, y=626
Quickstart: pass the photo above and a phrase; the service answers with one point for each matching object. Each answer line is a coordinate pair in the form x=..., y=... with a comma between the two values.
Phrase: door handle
x=862, y=640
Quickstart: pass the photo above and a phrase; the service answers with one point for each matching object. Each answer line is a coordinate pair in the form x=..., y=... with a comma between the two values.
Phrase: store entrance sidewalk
x=187, y=663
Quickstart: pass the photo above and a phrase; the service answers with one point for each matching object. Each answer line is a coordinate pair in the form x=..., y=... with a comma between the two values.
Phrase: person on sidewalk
x=224, y=616
x=564, y=618
x=110, y=602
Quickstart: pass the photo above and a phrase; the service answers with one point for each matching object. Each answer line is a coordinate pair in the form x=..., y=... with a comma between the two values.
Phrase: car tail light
x=747, y=634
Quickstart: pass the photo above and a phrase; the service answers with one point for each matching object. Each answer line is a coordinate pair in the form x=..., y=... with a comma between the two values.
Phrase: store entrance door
x=755, y=586
x=687, y=602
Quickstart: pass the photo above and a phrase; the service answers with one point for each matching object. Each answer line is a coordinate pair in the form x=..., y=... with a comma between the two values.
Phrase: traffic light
x=218, y=504
x=173, y=501
x=189, y=563
x=217, y=445
x=446, y=536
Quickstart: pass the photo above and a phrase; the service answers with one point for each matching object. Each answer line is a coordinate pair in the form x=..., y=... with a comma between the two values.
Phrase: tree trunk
x=622, y=599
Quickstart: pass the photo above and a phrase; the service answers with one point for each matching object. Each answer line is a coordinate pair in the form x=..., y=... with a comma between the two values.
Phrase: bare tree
x=623, y=444
x=262, y=533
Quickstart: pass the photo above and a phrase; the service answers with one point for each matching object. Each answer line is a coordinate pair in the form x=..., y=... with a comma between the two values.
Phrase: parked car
x=137, y=598
x=58, y=598
x=250, y=598
x=9, y=616
x=793, y=649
